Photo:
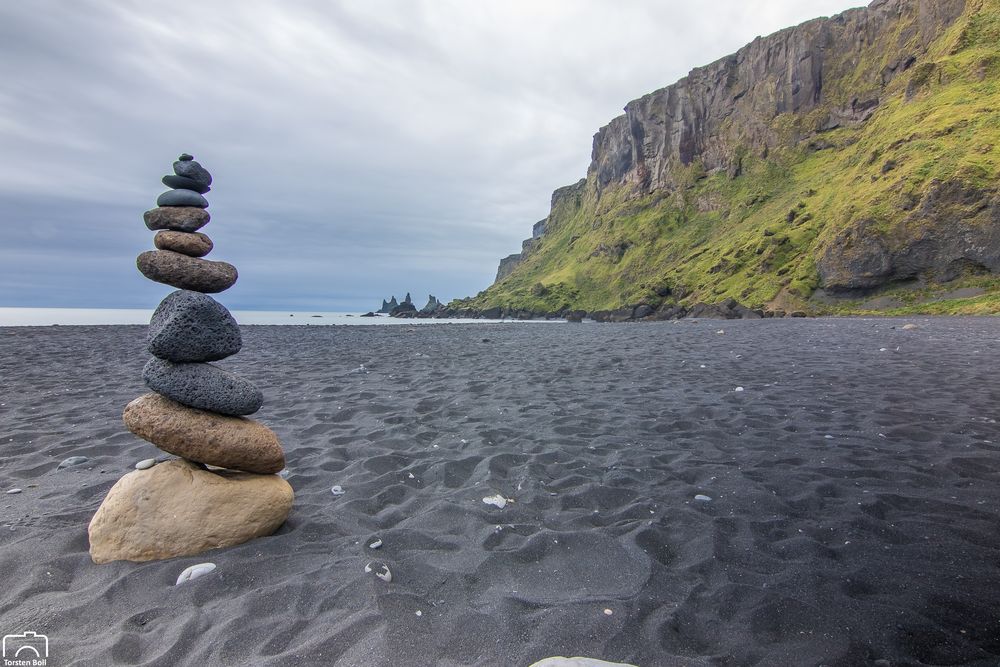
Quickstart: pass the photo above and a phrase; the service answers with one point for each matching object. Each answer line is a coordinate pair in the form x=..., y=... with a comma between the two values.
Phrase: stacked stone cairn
x=223, y=489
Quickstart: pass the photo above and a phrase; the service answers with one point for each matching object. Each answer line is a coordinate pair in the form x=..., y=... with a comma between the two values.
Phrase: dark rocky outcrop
x=387, y=306
x=507, y=265
x=405, y=309
x=954, y=230
x=432, y=306
x=718, y=112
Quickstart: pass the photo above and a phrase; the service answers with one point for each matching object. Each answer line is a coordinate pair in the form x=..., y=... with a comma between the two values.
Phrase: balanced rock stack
x=181, y=507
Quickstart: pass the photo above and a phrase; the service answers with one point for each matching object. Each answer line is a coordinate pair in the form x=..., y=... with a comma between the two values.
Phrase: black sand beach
x=854, y=485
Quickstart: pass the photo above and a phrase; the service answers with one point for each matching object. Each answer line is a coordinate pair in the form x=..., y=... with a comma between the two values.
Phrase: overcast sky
x=359, y=149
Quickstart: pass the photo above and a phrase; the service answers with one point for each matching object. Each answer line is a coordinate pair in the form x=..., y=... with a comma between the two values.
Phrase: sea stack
x=196, y=410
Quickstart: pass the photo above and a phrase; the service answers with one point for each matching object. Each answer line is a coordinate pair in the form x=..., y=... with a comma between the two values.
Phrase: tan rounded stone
x=183, y=272
x=177, y=218
x=178, y=509
x=206, y=437
x=192, y=244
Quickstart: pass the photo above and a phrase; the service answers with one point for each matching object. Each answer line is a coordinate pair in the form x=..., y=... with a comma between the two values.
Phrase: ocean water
x=32, y=317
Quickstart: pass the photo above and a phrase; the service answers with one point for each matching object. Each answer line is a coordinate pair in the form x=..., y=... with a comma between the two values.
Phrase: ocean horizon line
x=44, y=316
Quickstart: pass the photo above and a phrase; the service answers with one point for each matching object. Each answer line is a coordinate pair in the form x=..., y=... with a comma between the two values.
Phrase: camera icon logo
x=26, y=646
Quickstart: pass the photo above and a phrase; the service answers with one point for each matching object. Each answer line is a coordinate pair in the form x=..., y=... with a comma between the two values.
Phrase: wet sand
x=854, y=486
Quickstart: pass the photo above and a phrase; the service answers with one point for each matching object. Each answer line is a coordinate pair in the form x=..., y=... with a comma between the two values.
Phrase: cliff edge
x=840, y=165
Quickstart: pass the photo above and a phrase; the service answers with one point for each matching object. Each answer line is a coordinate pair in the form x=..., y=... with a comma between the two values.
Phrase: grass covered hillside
x=896, y=210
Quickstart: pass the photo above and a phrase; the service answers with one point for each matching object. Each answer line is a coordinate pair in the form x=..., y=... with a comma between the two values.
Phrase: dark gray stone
x=203, y=386
x=191, y=326
x=641, y=311
x=176, y=218
x=181, y=198
x=184, y=183
x=405, y=309
x=191, y=169
x=72, y=461
x=183, y=272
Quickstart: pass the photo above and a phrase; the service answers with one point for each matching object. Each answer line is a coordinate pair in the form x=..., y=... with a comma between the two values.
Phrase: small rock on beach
x=72, y=461
x=194, y=572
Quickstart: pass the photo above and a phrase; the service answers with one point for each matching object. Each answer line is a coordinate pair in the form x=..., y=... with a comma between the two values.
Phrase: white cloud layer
x=359, y=149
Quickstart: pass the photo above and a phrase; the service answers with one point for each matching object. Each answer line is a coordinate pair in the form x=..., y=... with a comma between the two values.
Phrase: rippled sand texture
x=854, y=485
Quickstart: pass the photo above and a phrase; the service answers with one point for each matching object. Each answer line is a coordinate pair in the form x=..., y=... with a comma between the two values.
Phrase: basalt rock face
x=507, y=266
x=721, y=111
x=864, y=256
x=848, y=154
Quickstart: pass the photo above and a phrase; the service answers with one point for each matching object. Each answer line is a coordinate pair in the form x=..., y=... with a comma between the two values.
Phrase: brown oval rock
x=178, y=509
x=176, y=218
x=205, y=437
x=192, y=244
x=183, y=272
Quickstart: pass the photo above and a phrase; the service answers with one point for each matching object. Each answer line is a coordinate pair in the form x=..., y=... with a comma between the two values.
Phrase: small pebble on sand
x=145, y=464
x=380, y=569
x=703, y=498
x=13, y=491
x=72, y=461
x=497, y=501
x=194, y=572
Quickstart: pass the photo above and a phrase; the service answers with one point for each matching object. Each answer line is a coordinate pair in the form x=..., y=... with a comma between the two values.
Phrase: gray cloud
x=359, y=149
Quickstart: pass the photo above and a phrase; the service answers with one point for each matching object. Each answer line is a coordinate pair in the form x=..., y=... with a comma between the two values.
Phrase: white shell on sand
x=194, y=572
x=497, y=500
x=702, y=498
x=145, y=464
x=375, y=545
x=560, y=661
x=738, y=389
x=337, y=490
x=380, y=569
x=13, y=491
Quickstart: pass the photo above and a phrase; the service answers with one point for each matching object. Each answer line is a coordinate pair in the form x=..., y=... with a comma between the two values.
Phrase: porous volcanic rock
x=203, y=386
x=190, y=326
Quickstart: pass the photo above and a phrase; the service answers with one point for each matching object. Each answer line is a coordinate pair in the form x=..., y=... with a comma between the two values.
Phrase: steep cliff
x=844, y=156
